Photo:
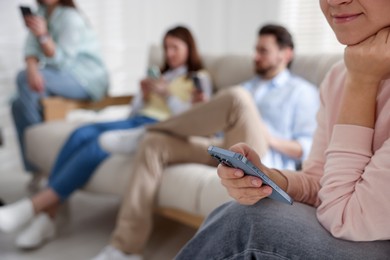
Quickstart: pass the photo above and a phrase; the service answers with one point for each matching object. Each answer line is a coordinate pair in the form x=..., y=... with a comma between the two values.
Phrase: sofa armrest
x=56, y=108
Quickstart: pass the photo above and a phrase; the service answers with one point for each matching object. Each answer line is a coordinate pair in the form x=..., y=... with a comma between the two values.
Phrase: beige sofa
x=188, y=192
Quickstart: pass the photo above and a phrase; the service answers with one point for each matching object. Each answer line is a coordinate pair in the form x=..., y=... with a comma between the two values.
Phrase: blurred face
x=50, y=2
x=269, y=58
x=176, y=52
x=355, y=20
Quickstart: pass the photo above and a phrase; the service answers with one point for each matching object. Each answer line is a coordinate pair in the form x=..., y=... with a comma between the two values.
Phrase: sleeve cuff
x=357, y=139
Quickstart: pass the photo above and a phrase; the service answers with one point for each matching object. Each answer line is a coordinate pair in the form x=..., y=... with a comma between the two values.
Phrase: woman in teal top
x=62, y=59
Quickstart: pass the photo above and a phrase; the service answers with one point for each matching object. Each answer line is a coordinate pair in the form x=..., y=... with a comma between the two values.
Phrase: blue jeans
x=81, y=154
x=26, y=107
x=273, y=230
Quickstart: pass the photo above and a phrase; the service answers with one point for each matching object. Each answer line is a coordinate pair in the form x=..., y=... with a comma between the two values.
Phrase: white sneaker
x=121, y=141
x=16, y=215
x=41, y=229
x=111, y=253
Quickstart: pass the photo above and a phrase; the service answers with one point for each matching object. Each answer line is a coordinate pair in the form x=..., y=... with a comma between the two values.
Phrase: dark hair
x=282, y=35
x=194, y=62
x=68, y=3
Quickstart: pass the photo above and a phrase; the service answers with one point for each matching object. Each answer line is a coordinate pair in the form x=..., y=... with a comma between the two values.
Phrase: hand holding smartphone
x=26, y=12
x=236, y=160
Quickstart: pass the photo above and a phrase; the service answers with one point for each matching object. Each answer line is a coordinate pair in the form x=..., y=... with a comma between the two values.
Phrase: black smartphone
x=26, y=10
x=239, y=161
x=197, y=82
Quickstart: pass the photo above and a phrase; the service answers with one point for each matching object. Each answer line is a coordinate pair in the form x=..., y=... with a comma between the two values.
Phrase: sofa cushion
x=240, y=69
x=43, y=142
x=314, y=67
x=194, y=188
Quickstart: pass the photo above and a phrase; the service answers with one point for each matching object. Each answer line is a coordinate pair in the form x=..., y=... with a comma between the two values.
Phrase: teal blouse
x=77, y=50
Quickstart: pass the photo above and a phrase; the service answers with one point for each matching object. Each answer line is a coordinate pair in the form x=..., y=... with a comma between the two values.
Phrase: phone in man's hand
x=25, y=10
x=239, y=161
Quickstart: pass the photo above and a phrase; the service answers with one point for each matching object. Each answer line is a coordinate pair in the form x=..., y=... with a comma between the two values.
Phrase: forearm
x=354, y=189
x=47, y=44
x=358, y=105
x=290, y=148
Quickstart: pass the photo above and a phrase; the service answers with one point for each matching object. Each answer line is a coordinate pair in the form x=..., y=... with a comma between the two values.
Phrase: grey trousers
x=273, y=230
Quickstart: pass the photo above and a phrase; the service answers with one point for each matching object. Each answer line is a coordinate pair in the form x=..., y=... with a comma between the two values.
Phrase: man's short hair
x=282, y=35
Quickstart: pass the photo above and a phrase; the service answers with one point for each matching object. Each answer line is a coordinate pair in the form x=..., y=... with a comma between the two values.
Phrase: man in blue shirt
x=274, y=113
x=287, y=105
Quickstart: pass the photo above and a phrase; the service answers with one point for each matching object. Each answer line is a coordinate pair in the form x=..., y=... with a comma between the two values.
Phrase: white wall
x=128, y=28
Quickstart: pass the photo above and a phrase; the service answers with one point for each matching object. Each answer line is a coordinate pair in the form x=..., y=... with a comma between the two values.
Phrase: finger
x=249, y=153
x=253, y=193
x=34, y=22
x=245, y=182
x=250, y=195
x=387, y=37
x=245, y=150
x=225, y=172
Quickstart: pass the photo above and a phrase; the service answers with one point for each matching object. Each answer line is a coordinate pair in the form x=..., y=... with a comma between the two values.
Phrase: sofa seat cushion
x=43, y=142
x=194, y=188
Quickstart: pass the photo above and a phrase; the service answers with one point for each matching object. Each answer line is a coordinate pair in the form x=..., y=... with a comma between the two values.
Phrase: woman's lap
x=273, y=230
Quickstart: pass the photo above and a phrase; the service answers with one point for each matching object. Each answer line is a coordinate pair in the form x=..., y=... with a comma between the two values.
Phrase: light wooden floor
x=91, y=220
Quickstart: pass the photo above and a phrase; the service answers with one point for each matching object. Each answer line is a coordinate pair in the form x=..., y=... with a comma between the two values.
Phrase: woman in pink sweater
x=342, y=194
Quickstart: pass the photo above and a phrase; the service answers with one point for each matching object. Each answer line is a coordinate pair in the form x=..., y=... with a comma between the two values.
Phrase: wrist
x=279, y=178
x=272, y=142
x=43, y=38
x=362, y=81
x=32, y=67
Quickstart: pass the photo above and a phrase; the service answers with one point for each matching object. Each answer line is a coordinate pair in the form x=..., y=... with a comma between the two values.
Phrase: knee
x=238, y=96
x=21, y=79
x=159, y=145
x=16, y=106
x=153, y=140
x=83, y=133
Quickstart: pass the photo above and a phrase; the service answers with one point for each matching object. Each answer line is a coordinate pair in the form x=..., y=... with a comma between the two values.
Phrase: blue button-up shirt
x=288, y=106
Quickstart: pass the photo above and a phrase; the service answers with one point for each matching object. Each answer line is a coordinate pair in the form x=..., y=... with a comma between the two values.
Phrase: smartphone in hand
x=197, y=81
x=239, y=161
x=25, y=10
x=154, y=72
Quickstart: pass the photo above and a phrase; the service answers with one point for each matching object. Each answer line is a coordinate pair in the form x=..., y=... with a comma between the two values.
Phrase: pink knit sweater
x=347, y=174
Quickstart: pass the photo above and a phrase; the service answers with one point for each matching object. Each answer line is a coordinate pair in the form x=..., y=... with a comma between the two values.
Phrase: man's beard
x=263, y=71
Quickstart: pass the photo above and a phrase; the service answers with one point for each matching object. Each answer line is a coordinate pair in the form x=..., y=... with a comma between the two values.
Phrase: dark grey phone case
x=239, y=161
x=25, y=10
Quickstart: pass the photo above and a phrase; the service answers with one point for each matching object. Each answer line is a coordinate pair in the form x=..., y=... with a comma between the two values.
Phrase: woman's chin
x=348, y=39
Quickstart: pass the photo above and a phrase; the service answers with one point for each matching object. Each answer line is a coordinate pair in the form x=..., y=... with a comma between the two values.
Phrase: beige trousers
x=173, y=141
